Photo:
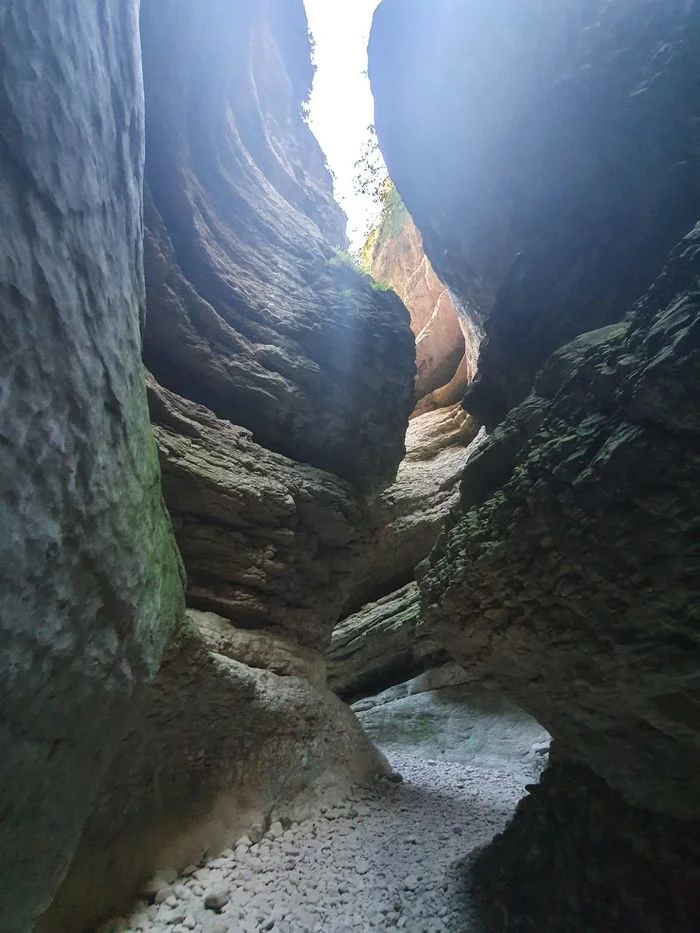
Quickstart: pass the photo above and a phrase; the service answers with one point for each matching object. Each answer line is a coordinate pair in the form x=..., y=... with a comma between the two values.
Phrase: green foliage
x=344, y=257
x=378, y=286
x=370, y=170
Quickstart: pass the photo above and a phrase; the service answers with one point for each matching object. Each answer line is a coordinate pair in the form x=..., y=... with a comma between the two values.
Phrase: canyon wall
x=90, y=582
x=447, y=343
x=280, y=388
x=558, y=199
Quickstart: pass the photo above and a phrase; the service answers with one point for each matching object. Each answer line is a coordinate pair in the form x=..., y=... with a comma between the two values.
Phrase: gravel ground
x=387, y=859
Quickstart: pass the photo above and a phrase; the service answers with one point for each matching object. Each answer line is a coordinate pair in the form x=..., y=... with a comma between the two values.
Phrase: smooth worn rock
x=547, y=150
x=447, y=345
x=90, y=583
x=406, y=519
x=252, y=311
x=386, y=853
x=219, y=747
x=444, y=715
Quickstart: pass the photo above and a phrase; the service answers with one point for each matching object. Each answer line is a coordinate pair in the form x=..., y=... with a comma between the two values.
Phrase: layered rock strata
x=381, y=645
x=251, y=311
x=283, y=384
x=406, y=518
x=447, y=343
x=552, y=207
x=565, y=575
x=90, y=583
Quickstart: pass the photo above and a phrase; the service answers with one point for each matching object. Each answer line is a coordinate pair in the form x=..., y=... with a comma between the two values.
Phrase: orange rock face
x=446, y=344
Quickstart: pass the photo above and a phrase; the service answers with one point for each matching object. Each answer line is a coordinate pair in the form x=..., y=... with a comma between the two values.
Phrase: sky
x=341, y=105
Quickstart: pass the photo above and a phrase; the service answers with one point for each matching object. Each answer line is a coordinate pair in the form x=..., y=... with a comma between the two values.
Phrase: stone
x=216, y=899
x=546, y=140
x=407, y=517
x=446, y=344
x=252, y=312
x=90, y=583
x=276, y=830
x=563, y=577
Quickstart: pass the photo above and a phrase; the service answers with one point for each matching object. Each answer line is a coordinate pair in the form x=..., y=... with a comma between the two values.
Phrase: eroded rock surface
x=447, y=345
x=223, y=748
x=250, y=310
x=268, y=543
x=566, y=574
x=90, y=582
x=552, y=207
x=406, y=519
x=380, y=645
x=570, y=580
x=283, y=384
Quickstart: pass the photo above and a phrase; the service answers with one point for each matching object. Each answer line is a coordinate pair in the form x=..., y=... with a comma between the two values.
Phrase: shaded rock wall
x=283, y=384
x=406, y=518
x=566, y=575
x=90, y=582
x=250, y=311
x=548, y=193
x=570, y=576
x=268, y=543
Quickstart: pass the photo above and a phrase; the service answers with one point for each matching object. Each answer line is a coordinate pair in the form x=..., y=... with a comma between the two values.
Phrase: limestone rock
x=406, y=519
x=219, y=746
x=380, y=645
x=446, y=344
x=89, y=578
x=551, y=208
x=251, y=312
x=625, y=869
x=267, y=542
x=571, y=579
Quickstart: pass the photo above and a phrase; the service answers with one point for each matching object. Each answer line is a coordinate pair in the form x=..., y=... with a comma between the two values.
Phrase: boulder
x=90, y=582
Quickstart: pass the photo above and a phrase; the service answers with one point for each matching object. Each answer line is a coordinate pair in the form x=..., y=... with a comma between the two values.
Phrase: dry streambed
x=388, y=858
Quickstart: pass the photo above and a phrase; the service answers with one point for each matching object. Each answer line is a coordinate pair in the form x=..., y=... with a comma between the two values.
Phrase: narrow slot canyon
x=349, y=466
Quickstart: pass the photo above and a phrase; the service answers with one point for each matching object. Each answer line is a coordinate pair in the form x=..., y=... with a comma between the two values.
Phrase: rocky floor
x=390, y=857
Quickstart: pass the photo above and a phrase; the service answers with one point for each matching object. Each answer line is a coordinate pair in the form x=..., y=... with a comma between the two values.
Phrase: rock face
x=440, y=715
x=250, y=310
x=283, y=384
x=553, y=206
x=250, y=743
x=566, y=575
x=446, y=344
x=268, y=543
x=381, y=645
x=90, y=582
x=406, y=519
